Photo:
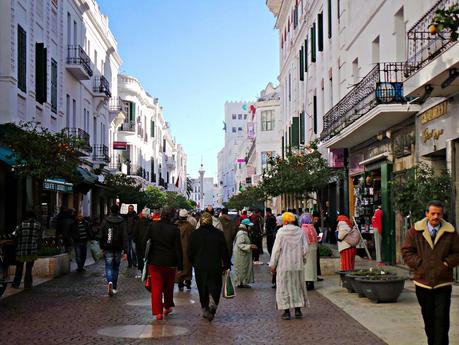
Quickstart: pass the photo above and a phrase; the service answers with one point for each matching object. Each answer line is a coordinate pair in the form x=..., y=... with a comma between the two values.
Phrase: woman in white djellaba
x=288, y=259
x=242, y=254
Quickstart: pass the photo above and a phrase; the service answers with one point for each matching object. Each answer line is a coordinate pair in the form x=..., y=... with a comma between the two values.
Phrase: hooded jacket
x=427, y=257
x=114, y=233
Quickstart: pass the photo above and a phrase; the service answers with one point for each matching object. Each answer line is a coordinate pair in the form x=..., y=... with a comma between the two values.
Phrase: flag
x=177, y=181
x=253, y=110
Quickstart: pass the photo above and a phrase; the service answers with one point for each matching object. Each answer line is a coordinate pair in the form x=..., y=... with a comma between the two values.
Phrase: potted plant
x=371, y=272
x=382, y=288
x=346, y=283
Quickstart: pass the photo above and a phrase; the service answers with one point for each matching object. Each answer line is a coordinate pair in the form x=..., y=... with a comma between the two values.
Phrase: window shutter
x=320, y=23
x=302, y=129
x=301, y=64
x=306, y=55
x=40, y=73
x=22, y=59
x=313, y=43
x=283, y=147
x=132, y=111
x=296, y=132
x=53, y=85
x=152, y=129
x=329, y=7
x=315, y=113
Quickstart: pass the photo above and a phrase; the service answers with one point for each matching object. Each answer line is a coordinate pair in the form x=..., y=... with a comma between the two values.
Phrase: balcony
x=376, y=103
x=434, y=54
x=102, y=87
x=78, y=63
x=85, y=149
x=100, y=154
x=128, y=127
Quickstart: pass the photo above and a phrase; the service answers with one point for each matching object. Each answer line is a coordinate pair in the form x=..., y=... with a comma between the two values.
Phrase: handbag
x=228, y=287
x=146, y=279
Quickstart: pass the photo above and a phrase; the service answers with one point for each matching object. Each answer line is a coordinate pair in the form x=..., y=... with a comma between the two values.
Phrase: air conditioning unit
x=389, y=92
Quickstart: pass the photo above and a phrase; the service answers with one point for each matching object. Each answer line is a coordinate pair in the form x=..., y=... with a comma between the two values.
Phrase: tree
x=154, y=197
x=189, y=187
x=126, y=189
x=177, y=201
x=417, y=186
x=251, y=198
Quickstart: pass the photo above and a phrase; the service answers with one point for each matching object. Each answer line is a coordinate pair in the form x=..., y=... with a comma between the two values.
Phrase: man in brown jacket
x=431, y=248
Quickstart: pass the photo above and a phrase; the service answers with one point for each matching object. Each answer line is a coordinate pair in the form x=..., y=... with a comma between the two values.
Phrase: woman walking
x=347, y=249
x=28, y=237
x=243, y=255
x=164, y=259
x=287, y=261
x=310, y=269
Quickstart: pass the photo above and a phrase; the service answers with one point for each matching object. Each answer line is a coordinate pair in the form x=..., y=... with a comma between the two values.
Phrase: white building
x=58, y=67
x=207, y=188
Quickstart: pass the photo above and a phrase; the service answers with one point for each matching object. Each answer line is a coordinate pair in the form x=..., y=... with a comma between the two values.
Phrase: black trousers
x=209, y=284
x=28, y=274
x=435, y=306
x=270, y=243
x=319, y=272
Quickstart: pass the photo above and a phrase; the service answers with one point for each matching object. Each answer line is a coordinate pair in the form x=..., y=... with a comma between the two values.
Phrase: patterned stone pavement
x=75, y=309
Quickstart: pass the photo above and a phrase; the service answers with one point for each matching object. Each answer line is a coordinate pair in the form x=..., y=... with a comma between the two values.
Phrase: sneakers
x=110, y=289
x=188, y=284
x=115, y=291
x=298, y=313
x=286, y=315
x=206, y=314
x=244, y=286
x=181, y=286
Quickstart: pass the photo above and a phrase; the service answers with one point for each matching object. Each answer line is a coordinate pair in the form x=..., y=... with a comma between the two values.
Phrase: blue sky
x=194, y=55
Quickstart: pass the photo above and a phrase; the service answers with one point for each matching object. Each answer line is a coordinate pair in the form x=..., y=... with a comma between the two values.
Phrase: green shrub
x=324, y=250
x=48, y=251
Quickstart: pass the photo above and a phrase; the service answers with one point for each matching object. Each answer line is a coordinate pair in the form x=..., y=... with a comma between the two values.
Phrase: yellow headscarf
x=206, y=219
x=288, y=217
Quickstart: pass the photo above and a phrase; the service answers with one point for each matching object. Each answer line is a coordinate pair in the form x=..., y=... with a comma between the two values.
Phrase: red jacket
x=376, y=221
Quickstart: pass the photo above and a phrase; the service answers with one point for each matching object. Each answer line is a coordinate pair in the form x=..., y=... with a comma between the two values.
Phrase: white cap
x=183, y=213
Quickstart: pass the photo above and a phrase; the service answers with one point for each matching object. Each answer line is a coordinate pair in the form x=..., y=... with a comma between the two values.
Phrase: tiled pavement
x=75, y=309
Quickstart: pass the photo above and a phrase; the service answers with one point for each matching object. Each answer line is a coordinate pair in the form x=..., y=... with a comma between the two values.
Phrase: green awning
x=7, y=156
x=88, y=177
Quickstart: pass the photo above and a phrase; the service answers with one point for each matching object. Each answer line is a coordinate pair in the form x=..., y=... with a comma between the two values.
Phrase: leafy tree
x=154, y=197
x=126, y=189
x=252, y=198
x=189, y=187
x=414, y=189
x=175, y=200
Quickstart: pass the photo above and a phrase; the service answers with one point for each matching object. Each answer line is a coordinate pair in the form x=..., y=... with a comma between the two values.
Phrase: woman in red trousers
x=347, y=249
x=164, y=259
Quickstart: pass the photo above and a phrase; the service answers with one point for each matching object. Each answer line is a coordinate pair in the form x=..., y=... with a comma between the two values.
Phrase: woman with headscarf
x=310, y=269
x=347, y=251
x=288, y=258
x=209, y=256
x=242, y=252
x=164, y=260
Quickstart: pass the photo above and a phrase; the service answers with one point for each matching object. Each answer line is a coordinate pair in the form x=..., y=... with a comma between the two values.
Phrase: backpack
x=112, y=236
x=353, y=237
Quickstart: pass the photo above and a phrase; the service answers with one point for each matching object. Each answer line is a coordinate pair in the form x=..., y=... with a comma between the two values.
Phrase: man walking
x=80, y=236
x=132, y=220
x=270, y=226
x=229, y=229
x=209, y=256
x=257, y=235
x=113, y=241
x=431, y=248
x=184, y=277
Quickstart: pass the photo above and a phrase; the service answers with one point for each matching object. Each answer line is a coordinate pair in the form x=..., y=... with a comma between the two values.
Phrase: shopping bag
x=94, y=248
x=228, y=287
x=145, y=275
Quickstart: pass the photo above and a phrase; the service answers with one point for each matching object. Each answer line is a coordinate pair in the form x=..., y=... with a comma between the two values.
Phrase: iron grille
x=76, y=55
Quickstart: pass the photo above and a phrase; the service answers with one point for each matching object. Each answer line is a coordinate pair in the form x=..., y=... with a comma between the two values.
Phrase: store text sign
x=434, y=112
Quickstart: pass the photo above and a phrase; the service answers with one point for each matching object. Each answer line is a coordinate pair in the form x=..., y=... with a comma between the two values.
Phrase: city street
x=75, y=309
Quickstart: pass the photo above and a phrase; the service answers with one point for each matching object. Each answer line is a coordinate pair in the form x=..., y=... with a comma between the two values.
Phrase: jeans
x=28, y=274
x=435, y=307
x=112, y=260
x=81, y=250
x=131, y=254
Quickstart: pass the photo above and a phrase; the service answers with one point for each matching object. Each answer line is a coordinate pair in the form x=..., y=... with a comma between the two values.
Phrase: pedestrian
x=156, y=216
x=81, y=235
x=164, y=260
x=215, y=221
x=113, y=242
x=132, y=221
x=229, y=229
x=377, y=222
x=28, y=237
x=316, y=223
x=64, y=225
x=310, y=272
x=346, y=247
x=270, y=226
x=256, y=235
x=288, y=258
x=431, y=249
x=209, y=256
x=242, y=250
x=184, y=277
x=192, y=220
x=139, y=236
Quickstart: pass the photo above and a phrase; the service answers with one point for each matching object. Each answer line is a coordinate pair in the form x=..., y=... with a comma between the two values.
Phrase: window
x=289, y=88
x=239, y=129
x=67, y=111
x=375, y=50
x=239, y=117
x=315, y=113
x=329, y=19
x=355, y=70
x=152, y=129
x=313, y=43
x=164, y=145
x=53, y=85
x=75, y=33
x=74, y=113
x=265, y=157
x=234, y=116
x=40, y=73
x=267, y=120
x=22, y=59
x=301, y=58
x=302, y=128
x=69, y=29
x=234, y=130
x=320, y=24
x=306, y=55
x=245, y=116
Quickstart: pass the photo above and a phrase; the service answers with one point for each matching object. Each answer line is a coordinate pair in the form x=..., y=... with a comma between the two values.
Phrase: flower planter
x=51, y=266
x=344, y=282
x=386, y=290
x=348, y=282
x=355, y=284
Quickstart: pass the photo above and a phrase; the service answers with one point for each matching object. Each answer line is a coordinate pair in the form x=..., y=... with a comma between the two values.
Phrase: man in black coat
x=209, y=256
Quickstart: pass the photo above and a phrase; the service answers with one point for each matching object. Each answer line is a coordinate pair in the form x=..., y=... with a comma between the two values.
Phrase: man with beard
x=209, y=256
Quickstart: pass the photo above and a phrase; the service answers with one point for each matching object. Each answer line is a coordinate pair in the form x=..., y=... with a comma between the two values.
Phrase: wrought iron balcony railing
x=101, y=85
x=115, y=105
x=100, y=153
x=128, y=126
x=81, y=134
x=76, y=55
x=423, y=46
x=382, y=85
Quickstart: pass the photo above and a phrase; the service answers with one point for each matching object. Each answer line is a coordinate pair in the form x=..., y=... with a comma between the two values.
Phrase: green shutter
x=283, y=147
x=306, y=55
x=302, y=128
x=152, y=129
x=40, y=73
x=313, y=43
x=53, y=85
x=22, y=59
x=132, y=111
x=329, y=7
x=296, y=132
x=320, y=24
x=301, y=64
x=315, y=113
x=290, y=139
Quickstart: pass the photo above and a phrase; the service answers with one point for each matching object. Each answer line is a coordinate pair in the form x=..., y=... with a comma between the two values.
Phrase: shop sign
x=120, y=145
x=240, y=160
x=57, y=186
x=336, y=158
x=434, y=112
x=434, y=134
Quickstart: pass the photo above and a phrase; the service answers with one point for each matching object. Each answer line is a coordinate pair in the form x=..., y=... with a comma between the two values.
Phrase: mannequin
x=377, y=223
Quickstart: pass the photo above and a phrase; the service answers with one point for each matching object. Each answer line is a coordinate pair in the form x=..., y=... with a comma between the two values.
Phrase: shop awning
x=7, y=156
x=88, y=177
x=57, y=185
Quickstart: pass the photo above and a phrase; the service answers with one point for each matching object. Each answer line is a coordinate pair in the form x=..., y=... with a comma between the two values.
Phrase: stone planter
x=382, y=291
x=348, y=278
x=329, y=265
x=51, y=266
x=356, y=285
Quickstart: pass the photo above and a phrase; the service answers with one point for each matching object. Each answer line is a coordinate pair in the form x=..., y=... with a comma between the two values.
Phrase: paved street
x=75, y=309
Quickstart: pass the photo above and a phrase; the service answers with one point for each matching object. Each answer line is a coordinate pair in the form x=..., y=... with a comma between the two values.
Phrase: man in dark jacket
x=270, y=226
x=256, y=236
x=113, y=242
x=431, y=248
x=64, y=225
x=209, y=256
x=132, y=220
x=229, y=229
x=80, y=236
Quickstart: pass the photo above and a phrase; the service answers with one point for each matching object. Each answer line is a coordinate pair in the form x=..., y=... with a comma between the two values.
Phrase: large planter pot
x=51, y=266
x=382, y=291
x=342, y=276
x=355, y=283
x=348, y=277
